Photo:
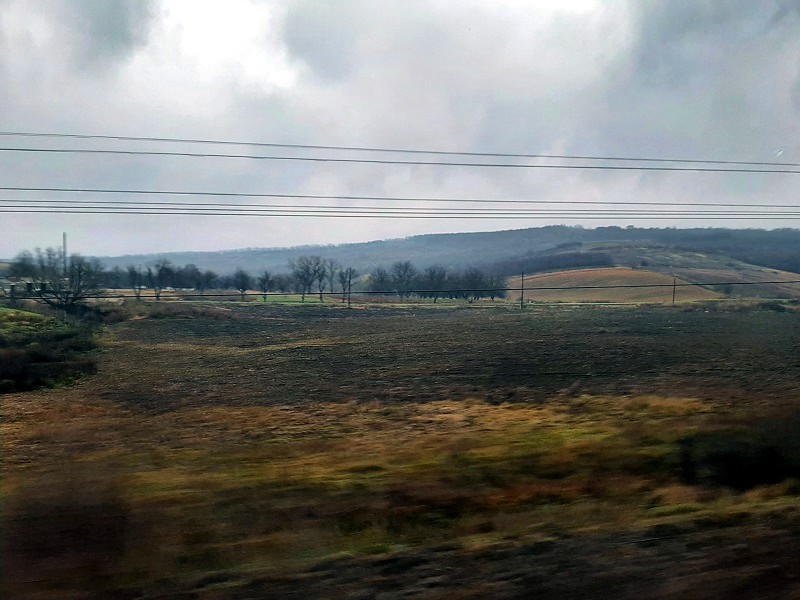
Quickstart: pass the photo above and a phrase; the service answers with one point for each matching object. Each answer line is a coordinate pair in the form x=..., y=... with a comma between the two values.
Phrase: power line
x=375, y=198
x=385, y=150
x=327, y=159
x=452, y=291
x=132, y=205
x=399, y=214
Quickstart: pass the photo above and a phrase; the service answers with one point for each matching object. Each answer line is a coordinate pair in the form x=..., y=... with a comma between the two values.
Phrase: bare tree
x=306, y=271
x=304, y=274
x=497, y=286
x=380, y=281
x=320, y=275
x=206, y=281
x=403, y=275
x=59, y=281
x=135, y=279
x=475, y=283
x=434, y=280
x=115, y=278
x=159, y=275
x=346, y=277
x=264, y=283
x=241, y=281
x=283, y=282
x=332, y=267
x=190, y=276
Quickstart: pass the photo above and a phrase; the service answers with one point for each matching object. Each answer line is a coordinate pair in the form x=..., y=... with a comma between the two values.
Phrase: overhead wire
x=561, y=209
x=128, y=138
x=213, y=194
x=132, y=205
x=400, y=214
x=375, y=161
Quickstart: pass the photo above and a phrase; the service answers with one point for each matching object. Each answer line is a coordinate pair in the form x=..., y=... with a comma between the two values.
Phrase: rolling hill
x=621, y=276
x=777, y=249
x=704, y=267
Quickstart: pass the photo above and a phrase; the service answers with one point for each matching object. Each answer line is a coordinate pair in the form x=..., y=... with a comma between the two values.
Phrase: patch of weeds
x=37, y=351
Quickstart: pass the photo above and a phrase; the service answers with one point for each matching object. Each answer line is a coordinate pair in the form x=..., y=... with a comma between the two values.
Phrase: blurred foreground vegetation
x=38, y=350
x=265, y=451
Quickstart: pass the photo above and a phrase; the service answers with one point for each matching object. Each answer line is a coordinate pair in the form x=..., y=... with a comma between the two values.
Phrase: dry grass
x=608, y=277
x=273, y=439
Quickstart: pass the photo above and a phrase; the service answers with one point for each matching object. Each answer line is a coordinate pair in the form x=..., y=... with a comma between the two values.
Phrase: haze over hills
x=511, y=250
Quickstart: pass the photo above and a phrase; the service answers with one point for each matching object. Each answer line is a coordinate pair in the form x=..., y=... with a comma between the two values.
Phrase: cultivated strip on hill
x=593, y=279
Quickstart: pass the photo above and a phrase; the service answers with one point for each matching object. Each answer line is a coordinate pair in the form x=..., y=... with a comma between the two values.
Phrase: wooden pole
x=674, y=281
x=522, y=289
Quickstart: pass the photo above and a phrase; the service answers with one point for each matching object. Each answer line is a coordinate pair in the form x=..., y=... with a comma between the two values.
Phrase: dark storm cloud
x=106, y=31
x=705, y=78
x=657, y=78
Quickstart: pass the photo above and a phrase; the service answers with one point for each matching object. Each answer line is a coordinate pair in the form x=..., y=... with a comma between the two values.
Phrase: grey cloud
x=106, y=31
x=322, y=34
x=680, y=40
x=705, y=79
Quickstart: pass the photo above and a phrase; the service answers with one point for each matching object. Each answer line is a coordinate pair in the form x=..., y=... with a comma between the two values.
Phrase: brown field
x=751, y=277
x=608, y=277
x=266, y=451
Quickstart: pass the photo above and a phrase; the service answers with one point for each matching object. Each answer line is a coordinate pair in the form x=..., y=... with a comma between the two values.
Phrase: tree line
x=64, y=281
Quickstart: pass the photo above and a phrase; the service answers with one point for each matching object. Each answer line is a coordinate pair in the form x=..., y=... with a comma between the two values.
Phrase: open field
x=265, y=451
x=705, y=267
x=608, y=277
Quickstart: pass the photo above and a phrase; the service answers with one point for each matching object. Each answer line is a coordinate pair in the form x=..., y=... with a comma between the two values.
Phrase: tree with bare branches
x=346, y=277
x=264, y=282
x=241, y=281
x=60, y=281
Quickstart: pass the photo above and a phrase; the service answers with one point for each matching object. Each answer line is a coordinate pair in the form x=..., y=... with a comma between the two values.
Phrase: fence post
x=522, y=289
x=674, y=280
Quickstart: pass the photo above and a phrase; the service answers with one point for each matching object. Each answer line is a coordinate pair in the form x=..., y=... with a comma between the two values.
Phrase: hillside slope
x=778, y=249
x=594, y=279
x=702, y=267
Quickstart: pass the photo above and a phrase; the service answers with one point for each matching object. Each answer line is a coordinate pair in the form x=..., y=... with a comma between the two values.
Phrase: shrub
x=764, y=453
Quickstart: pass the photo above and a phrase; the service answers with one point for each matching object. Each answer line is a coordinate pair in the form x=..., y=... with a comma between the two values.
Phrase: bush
x=31, y=359
x=764, y=453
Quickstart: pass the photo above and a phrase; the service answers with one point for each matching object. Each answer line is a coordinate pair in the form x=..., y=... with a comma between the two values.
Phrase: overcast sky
x=697, y=79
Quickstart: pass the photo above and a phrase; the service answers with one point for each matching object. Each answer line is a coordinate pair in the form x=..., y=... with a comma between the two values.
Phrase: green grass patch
x=36, y=351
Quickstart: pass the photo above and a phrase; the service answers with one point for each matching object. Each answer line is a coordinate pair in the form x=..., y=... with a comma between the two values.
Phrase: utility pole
x=66, y=273
x=674, y=281
x=522, y=289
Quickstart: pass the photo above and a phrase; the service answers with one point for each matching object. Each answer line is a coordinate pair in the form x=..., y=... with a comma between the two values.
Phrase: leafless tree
x=159, y=275
x=346, y=277
x=59, y=281
x=434, y=280
x=497, y=285
x=135, y=279
x=380, y=281
x=474, y=282
x=264, y=283
x=332, y=267
x=207, y=281
x=242, y=281
x=304, y=272
x=403, y=275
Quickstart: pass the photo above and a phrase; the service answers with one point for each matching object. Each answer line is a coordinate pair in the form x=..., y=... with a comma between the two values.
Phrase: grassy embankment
x=37, y=350
x=248, y=443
